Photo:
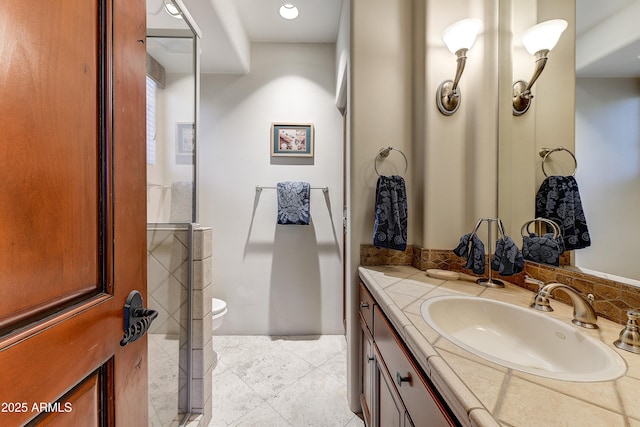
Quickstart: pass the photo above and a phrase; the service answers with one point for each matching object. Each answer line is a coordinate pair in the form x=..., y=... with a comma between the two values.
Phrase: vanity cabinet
x=394, y=390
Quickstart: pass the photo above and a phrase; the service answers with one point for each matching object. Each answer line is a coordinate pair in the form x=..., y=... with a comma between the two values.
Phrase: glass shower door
x=172, y=97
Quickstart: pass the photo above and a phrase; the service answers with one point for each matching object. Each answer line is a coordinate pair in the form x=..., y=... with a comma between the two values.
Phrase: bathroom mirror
x=172, y=91
x=605, y=124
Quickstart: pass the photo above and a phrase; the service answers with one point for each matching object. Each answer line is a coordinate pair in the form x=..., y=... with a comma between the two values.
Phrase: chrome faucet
x=583, y=313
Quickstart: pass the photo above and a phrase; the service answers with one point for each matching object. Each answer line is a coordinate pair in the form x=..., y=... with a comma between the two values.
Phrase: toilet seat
x=218, y=306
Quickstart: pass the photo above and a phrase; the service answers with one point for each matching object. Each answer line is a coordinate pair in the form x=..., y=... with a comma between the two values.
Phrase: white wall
x=276, y=279
x=608, y=174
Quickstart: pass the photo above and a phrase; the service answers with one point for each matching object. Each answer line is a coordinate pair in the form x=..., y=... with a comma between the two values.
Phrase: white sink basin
x=522, y=339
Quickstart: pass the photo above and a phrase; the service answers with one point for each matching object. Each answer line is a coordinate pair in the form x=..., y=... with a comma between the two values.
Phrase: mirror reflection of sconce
x=458, y=37
x=539, y=40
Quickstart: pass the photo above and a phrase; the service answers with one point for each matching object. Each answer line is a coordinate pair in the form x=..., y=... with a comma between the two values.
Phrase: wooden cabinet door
x=388, y=408
x=72, y=211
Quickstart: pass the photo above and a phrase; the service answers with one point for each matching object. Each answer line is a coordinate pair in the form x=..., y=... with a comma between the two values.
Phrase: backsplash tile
x=612, y=299
x=370, y=255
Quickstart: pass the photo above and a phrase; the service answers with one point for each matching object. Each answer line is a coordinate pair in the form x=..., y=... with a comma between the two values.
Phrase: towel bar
x=262, y=187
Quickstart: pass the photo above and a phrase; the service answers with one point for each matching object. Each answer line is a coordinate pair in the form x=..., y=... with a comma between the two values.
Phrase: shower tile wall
x=167, y=289
x=201, y=401
x=167, y=282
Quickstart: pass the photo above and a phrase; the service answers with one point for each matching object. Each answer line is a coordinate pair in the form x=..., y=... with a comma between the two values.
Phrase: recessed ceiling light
x=288, y=11
x=172, y=9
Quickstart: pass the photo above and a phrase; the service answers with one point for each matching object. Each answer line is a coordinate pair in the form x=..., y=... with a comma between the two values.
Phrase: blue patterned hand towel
x=390, y=228
x=471, y=248
x=293, y=202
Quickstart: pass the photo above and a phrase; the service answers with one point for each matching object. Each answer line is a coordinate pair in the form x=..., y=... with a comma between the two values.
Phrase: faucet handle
x=633, y=315
x=541, y=301
x=629, y=339
x=533, y=281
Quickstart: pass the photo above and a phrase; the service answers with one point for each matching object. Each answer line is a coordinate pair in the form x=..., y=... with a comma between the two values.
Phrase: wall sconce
x=459, y=37
x=539, y=40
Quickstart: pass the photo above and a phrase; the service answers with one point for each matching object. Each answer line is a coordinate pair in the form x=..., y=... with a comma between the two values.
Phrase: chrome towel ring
x=383, y=153
x=546, y=152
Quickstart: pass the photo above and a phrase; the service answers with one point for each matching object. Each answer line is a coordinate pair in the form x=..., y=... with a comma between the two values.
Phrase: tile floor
x=163, y=380
x=297, y=381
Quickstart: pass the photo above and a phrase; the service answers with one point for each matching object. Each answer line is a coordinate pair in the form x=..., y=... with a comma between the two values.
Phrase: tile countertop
x=482, y=393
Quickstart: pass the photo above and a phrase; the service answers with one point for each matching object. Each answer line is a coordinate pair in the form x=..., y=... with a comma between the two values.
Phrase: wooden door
x=72, y=211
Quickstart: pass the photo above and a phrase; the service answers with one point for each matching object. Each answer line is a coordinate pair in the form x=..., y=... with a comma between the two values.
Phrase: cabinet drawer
x=366, y=303
x=422, y=402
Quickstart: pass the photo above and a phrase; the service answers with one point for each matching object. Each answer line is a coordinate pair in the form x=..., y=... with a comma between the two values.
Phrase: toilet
x=218, y=311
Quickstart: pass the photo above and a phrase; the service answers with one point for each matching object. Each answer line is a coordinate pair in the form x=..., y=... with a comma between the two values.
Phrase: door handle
x=137, y=319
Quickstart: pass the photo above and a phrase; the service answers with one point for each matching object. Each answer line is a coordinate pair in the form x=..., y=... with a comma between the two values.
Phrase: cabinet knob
x=400, y=379
x=369, y=358
x=364, y=304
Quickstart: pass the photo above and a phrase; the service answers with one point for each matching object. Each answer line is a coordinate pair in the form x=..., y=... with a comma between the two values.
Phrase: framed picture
x=185, y=143
x=292, y=139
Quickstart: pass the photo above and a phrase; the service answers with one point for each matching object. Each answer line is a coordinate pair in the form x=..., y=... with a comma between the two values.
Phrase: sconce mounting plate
x=448, y=102
x=521, y=101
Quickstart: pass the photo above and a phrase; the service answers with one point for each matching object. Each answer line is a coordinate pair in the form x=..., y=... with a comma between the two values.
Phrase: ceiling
x=607, y=38
x=229, y=26
x=607, y=32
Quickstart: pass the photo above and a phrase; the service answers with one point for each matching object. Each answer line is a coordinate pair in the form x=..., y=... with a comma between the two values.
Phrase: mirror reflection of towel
x=293, y=202
x=558, y=199
x=508, y=259
x=390, y=227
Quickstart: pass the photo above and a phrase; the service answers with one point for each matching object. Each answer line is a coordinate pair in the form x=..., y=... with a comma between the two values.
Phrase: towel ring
x=545, y=152
x=383, y=153
x=557, y=232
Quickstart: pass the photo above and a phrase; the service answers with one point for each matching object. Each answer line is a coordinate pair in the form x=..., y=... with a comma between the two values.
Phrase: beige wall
x=380, y=116
x=452, y=178
x=461, y=150
x=380, y=103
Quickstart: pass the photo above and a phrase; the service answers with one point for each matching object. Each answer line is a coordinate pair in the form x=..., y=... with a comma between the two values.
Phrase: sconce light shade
x=458, y=37
x=461, y=34
x=538, y=40
x=543, y=36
